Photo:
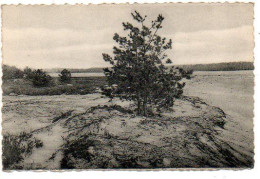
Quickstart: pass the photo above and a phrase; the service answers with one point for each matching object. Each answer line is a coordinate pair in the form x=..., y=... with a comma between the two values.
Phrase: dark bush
x=28, y=73
x=65, y=76
x=11, y=72
x=40, y=78
x=16, y=147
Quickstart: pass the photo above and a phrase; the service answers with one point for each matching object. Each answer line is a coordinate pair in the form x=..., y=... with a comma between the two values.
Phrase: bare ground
x=232, y=91
x=88, y=131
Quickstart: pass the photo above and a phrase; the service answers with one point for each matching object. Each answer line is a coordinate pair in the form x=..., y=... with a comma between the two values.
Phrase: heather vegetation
x=38, y=82
x=39, y=78
x=17, y=147
x=11, y=72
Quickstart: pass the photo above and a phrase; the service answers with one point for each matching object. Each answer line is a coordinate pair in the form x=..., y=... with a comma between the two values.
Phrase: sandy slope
x=232, y=92
x=78, y=134
x=35, y=114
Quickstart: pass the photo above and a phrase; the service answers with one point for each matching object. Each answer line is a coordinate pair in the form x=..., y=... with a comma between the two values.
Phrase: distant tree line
x=227, y=66
x=231, y=66
x=75, y=70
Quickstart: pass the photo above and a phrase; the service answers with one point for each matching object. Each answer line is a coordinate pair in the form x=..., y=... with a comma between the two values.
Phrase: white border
x=223, y=174
x=48, y=2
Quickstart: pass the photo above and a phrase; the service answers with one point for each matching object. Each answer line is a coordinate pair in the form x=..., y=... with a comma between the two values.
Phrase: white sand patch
x=52, y=141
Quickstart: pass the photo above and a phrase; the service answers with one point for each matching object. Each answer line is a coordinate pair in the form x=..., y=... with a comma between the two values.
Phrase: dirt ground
x=77, y=131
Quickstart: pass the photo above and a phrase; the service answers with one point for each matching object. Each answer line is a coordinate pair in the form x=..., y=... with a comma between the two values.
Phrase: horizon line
x=108, y=66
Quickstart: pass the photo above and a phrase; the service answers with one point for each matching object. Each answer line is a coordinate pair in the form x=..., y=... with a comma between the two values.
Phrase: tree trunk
x=145, y=107
x=144, y=110
x=138, y=107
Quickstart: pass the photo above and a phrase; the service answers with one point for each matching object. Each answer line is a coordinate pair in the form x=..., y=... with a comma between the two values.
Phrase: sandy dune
x=77, y=131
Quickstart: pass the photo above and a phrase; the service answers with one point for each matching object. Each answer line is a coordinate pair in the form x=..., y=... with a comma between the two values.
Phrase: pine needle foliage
x=138, y=67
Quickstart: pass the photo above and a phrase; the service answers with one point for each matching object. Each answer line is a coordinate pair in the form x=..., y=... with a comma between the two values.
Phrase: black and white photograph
x=128, y=86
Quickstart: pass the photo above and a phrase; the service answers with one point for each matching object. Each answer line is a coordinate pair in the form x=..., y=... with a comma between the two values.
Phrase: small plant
x=40, y=78
x=77, y=148
x=65, y=76
x=16, y=147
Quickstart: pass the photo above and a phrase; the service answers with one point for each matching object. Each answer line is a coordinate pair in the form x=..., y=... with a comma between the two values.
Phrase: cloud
x=212, y=46
x=45, y=48
x=39, y=38
x=76, y=36
x=180, y=17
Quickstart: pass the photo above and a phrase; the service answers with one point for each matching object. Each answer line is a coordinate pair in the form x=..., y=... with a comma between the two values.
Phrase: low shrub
x=40, y=78
x=65, y=76
x=28, y=73
x=79, y=86
x=16, y=147
x=11, y=72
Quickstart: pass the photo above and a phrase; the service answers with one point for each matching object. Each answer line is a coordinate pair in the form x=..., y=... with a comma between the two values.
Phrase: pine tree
x=28, y=73
x=65, y=76
x=40, y=78
x=138, y=67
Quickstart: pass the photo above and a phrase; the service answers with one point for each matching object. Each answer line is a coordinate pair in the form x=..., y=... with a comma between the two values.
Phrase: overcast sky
x=76, y=36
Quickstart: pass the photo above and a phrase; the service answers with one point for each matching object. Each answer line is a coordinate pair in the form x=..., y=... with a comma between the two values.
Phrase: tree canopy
x=138, y=66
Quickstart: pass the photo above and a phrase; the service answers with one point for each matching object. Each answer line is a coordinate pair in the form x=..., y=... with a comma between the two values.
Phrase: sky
x=68, y=36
